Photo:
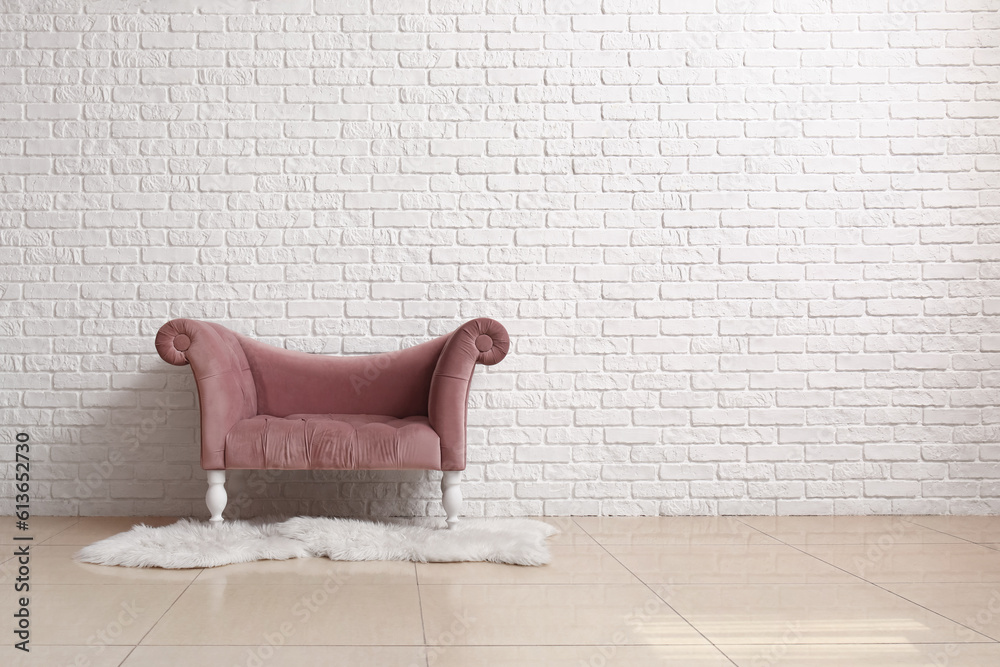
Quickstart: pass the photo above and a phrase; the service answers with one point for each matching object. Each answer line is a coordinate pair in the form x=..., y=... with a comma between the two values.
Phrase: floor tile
x=972, y=528
x=266, y=655
x=974, y=605
x=730, y=578
x=94, y=613
x=866, y=655
x=808, y=614
x=570, y=565
x=671, y=530
x=914, y=562
x=55, y=565
x=40, y=528
x=90, y=529
x=304, y=615
x=725, y=563
x=309, y=571
x=577, y=656
x=845, y=530
x=60, y=656
x=573, y=615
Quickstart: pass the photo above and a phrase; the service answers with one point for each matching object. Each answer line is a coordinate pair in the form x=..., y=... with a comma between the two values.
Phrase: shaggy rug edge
x=193, y=544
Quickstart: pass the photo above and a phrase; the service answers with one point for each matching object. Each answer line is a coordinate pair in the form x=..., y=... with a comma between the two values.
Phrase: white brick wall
x=747, y=249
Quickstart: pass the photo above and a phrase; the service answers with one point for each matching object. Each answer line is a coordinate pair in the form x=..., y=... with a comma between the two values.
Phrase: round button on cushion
x=484, y=342
x=182, y=342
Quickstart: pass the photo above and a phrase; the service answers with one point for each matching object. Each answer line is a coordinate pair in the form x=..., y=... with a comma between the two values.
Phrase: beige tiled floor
x=686, y=591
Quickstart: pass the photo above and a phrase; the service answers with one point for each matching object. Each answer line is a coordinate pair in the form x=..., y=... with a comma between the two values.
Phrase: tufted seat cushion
x=333, y=442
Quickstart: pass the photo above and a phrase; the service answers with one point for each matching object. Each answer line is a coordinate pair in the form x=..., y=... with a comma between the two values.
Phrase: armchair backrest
x=291, y=382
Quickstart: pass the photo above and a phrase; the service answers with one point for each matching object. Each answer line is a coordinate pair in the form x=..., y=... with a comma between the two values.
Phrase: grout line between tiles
x=60, y=532
x=938, y=530
x=420, y=608
x=169, y=607
x=657, y=595
x=127, y=655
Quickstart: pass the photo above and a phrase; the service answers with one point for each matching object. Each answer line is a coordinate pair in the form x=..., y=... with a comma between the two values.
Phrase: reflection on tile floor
x=698, y=591
x=976, y=606
x=962, y=562
x=574, y=614
x=874, y=530
x=726, y=564
x=327, y=613
x=866, y=655
x=809, y=614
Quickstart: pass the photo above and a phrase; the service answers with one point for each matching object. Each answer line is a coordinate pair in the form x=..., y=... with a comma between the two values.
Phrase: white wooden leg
x=451, y=495
x=216, y=497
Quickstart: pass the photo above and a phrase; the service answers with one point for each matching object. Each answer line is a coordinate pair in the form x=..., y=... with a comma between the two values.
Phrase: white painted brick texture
x=747, y=250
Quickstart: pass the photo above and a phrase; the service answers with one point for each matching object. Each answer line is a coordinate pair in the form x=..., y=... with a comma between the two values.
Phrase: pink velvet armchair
x=264, y=407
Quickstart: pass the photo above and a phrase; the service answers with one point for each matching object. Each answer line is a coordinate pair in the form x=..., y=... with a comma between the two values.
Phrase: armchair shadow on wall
x=267, y=408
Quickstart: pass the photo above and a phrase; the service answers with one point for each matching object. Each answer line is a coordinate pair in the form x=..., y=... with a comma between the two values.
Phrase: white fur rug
x=190, y=543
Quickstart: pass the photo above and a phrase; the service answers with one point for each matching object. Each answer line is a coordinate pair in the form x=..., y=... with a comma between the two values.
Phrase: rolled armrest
x=480, y=341
x=226, y=388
